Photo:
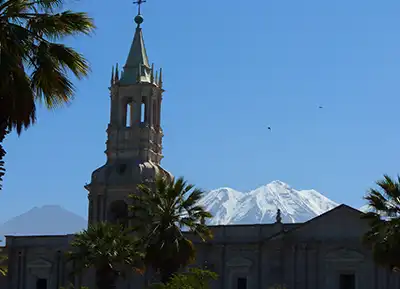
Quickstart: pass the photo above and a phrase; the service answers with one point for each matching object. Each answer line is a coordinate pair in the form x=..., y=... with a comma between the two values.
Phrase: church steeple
x=137, y=63
x=136, y=106
x=134, y=134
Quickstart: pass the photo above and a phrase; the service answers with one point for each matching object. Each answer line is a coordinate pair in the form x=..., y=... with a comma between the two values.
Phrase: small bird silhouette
x=320, y=106
x=269, y=128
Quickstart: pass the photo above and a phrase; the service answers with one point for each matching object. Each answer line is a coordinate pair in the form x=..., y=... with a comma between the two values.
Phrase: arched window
x=129, y=113
x=118, y=212
x=143, y=112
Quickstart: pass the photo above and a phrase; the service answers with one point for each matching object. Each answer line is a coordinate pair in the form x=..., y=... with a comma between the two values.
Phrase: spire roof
x=137, y=64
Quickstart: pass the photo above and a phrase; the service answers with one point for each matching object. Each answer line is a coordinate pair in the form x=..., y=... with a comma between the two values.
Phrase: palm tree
x=384, y=220
x=34, y=65
x=108, y=248
x=160, y=213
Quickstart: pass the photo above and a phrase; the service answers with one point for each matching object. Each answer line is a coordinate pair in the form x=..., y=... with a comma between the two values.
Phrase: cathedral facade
x=323, y=253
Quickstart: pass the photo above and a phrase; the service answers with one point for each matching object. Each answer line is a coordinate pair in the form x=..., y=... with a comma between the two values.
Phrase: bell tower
x=134, y=134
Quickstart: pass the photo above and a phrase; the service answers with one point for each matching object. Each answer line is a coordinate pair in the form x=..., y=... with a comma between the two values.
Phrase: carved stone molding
x=40, y=268
x=344, y=254
x=239, y=262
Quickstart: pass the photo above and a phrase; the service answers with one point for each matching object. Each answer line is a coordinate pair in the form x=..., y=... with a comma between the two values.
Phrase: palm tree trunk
x=106, y=279
x=3, y=133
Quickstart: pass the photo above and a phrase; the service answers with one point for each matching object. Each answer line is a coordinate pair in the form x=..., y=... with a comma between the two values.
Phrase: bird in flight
x=320, y=106
x=269, y=128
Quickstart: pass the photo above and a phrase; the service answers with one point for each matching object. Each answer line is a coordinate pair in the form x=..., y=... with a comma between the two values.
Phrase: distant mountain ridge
x=227, y=205
x=259, y=206
x=45, y=220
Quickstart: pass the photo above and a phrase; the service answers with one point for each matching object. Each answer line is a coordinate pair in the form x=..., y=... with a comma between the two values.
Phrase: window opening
x=121, y=169
x=128, y=114
x=41, y=283
x=142, y=112
x=347, y=281
x=242, y=283
x=118, y=213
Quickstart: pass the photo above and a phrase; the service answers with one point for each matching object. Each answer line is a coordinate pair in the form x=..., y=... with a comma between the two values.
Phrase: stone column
x=91, y=216
x=223, y=261
x=260, y=264
x=104, y=207
x=294, y=279
x=115, y=107
x=305, y=248
x=301, y=266
x=158, y=111
x=147, y=115
x=76, y=276
x=122, y=116
x=223, y=266
x=99, y=208
x=57, y=270
x=133, y=112
x=24, y=275
x=20, y=273
x=376, y=275
x=317, y=271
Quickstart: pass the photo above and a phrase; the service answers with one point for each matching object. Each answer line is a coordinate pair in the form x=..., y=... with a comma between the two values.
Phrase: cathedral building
x=323, y=253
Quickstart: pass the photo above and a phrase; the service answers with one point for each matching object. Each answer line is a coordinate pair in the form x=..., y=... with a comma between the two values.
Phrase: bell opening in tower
x=142, y=112
x=128, y=114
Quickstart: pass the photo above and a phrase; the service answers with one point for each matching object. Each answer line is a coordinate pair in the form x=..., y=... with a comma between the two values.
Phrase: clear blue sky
x=232, y=68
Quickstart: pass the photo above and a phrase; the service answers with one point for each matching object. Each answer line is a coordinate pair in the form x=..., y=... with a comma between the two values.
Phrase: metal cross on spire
x=139, y=3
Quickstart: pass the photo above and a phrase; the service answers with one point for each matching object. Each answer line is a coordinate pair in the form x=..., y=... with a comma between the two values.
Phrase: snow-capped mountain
x=260, y=205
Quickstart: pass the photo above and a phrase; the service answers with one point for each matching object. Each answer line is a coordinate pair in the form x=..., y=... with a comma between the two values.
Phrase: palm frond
x=57, y=26
x=46, y=5
x=383, y=236
x=26, y=45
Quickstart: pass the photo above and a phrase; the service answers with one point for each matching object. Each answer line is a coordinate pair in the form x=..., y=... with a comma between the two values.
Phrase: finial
x=139, y=17
x=160, y=79
x=116, y=77
x=156, y=79
x=112, y=75
x=278, y=216
x=152, y=73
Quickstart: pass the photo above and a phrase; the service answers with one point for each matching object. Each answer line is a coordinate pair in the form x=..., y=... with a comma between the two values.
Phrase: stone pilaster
x=294, y=279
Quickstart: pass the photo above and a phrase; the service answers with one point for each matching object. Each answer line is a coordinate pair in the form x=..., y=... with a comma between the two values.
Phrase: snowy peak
x=278, y=183
x=260, y=205
x=222, y=203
